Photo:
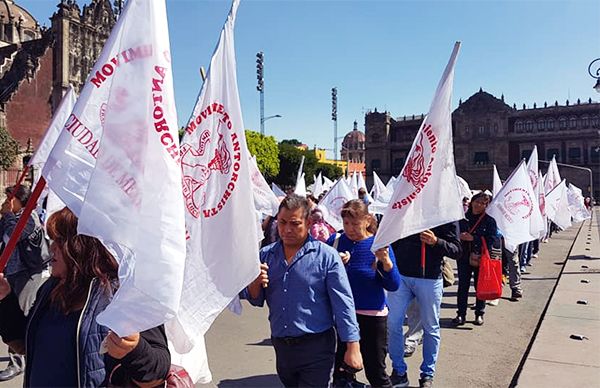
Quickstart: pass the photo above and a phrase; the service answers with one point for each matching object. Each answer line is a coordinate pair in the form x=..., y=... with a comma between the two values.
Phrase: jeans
x=514, y=271
x=525, y=252
x=373, y=348
x=428, y=293
x=465, y=271
x=414, y=334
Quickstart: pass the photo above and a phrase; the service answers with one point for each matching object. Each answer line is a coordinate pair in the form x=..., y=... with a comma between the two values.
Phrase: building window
x=481, y=130
x=562, y=123
x=529, y=126
x=574, y=155
x=541, y=125
x=550, y=124
x=573, y=123
x=595, y=123
x=519, y=126
x=595, y=154
x=585, y=122
x=481, y=158
x=376, y=164
x=525, y=154
x=398, y=164
x=550, y=152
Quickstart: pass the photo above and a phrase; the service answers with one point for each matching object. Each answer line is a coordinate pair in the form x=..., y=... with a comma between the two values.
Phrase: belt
x=300, y=339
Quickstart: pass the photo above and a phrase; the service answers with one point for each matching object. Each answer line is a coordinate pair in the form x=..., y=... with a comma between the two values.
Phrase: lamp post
x=594, y=70
x=263, y=119
x=589, y=170
x=260, y=76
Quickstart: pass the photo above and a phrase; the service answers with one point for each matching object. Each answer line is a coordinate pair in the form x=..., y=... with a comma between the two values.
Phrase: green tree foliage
x=266, y=151
x=289, y=162
x=9, y=149
x=294, y=142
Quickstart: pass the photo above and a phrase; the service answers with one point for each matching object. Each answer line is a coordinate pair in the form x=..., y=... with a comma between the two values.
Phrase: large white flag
x=576, y=204
x=327, y=183
x=331, y=204
x=538, y=223
x=557, y=206
x=427, y=194
x=277, y=190
x=391, y=184
x=496, y=183
x=542, y=203
x=300, y=188
x=217, y=187
x=379, y=192
x=515, y=207
x=552, y=178
x=265, y=201
x=318, y=185
x=116, y=165
x=463, y=188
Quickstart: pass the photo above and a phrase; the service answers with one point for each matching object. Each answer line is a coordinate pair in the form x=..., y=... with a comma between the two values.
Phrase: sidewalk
x=554, y=358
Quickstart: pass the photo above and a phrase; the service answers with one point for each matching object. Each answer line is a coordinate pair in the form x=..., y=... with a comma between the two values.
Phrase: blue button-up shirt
x=310, y=295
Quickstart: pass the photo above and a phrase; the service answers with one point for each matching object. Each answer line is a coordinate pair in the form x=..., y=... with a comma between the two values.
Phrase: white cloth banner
x=557, y=206
x=327, y=183
x=300, y=188
x=391, y=185
x=538, y=223
x=379, y=191
x=552, y=178
x=576, y=204
x=496, y=183
x=331, y=204
x=277, y=190
x=318, y=185
x=427, y=194
x=542, y=202
x=116, y=165
x=514, y=208
x=463, y=188
x=222, y=249
x=265, y=201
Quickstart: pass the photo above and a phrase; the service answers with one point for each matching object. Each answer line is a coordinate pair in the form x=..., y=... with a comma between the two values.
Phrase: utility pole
x=260, y=76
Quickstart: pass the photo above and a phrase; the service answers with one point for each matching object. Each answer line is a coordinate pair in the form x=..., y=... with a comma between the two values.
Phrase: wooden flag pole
x=14, y=237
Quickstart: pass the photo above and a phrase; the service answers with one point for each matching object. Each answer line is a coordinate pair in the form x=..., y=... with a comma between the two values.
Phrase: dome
x=9, y=9
x=354, y=137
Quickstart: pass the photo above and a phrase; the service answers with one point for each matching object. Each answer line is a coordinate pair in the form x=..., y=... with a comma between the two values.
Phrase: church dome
x=355, y=139
x=27, y=28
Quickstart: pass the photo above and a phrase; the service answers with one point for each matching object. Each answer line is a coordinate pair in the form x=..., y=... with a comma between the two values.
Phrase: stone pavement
x=555, y=359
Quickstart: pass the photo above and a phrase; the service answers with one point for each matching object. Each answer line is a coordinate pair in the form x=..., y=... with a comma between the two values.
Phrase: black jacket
x=408, y=252
x=149, y=361
x=486, y=228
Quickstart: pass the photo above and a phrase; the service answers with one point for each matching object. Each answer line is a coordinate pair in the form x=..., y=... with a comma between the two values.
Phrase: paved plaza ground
x=523, y=343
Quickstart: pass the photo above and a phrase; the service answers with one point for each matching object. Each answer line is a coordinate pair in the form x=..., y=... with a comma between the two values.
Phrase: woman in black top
x=476, y=225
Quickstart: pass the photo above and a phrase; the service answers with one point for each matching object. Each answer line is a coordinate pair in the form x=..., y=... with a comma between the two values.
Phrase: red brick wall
x=29, y=112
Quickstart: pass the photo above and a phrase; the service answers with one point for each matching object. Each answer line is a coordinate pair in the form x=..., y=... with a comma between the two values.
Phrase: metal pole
x=334, y=118
x=262, y=111
x=589, y=170
x=260, y=76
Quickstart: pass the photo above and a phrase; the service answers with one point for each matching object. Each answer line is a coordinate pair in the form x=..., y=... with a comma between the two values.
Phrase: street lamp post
x=594, y=70
x=262, y=122
x=589, y=170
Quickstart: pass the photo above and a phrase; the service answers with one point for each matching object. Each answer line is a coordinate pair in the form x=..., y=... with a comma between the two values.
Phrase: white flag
x=538, y=223
x=391, y=185
x=552, y=176
x=277, y=190
x=222, y=249
x=427, y=194
x=265, y=201
x=514, y=207
x=542, y=203
x=463, y=188
x=379, y=191
x=497, y=183
x=300, y=188
x=116, y=165
x=557, y=206
x=576, y=204
x=318, y=185
x=331, y=204
x=327, y=183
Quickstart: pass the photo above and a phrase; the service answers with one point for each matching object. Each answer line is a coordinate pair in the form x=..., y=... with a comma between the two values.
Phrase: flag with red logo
x=331, y=204
x=427, y=193
x=222, y=248
x=515, y=208
x=116, y=165
x=557, y=206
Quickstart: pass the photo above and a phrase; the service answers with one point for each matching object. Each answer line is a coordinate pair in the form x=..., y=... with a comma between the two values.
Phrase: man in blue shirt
x=306, y=287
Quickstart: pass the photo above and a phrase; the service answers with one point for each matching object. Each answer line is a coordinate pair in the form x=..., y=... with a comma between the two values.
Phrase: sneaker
x=399, y=380
x=479, y=320
x=426, y=382
x=346, y=383
x=535, y=256
x=493, y=302
x=524, y=270
x=13, y=369
x=516, y=295
x=459, y=320
x=409, y=349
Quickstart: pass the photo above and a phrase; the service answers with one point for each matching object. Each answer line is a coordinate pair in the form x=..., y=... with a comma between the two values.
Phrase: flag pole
x=18, y=184
x=14, y=237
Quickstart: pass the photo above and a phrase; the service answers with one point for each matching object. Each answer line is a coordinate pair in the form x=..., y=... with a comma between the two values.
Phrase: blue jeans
x=428, y=293
x=525, y=252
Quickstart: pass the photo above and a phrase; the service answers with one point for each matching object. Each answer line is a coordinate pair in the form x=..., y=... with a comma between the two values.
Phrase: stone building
x=353, y=150
x=37, y=64
x=487, y=131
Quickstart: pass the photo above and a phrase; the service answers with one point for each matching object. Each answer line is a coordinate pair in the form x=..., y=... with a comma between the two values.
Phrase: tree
x=331, y=171
x=9, y=149
x=266, y=151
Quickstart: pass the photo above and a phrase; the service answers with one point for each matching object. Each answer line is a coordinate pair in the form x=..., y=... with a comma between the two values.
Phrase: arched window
x=573, y=122
x=562, y=123
x=529, y=125
x=550, y=124
x=519, y=126
x=584, y=121
x=541, y=125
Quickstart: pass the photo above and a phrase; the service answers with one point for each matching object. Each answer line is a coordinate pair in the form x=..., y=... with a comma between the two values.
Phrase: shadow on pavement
x=265, y=342
x=446, y=323
x=252, y=381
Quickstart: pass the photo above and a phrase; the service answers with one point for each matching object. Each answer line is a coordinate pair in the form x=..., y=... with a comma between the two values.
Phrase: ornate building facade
x=353, y=150
x=37, y=65
x=487, y=131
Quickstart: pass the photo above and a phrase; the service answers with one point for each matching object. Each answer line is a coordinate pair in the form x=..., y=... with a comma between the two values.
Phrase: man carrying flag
x=421, y=215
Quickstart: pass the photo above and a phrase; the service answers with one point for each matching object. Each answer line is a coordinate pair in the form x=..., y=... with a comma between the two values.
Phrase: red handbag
x=489, y=283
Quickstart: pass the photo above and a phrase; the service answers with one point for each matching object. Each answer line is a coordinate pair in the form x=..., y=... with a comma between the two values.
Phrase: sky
x=387, y=55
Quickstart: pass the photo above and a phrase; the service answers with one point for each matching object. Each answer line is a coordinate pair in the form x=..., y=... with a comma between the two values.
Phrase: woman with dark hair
x=369, y=275
x=476, y=225
x=60, y=336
